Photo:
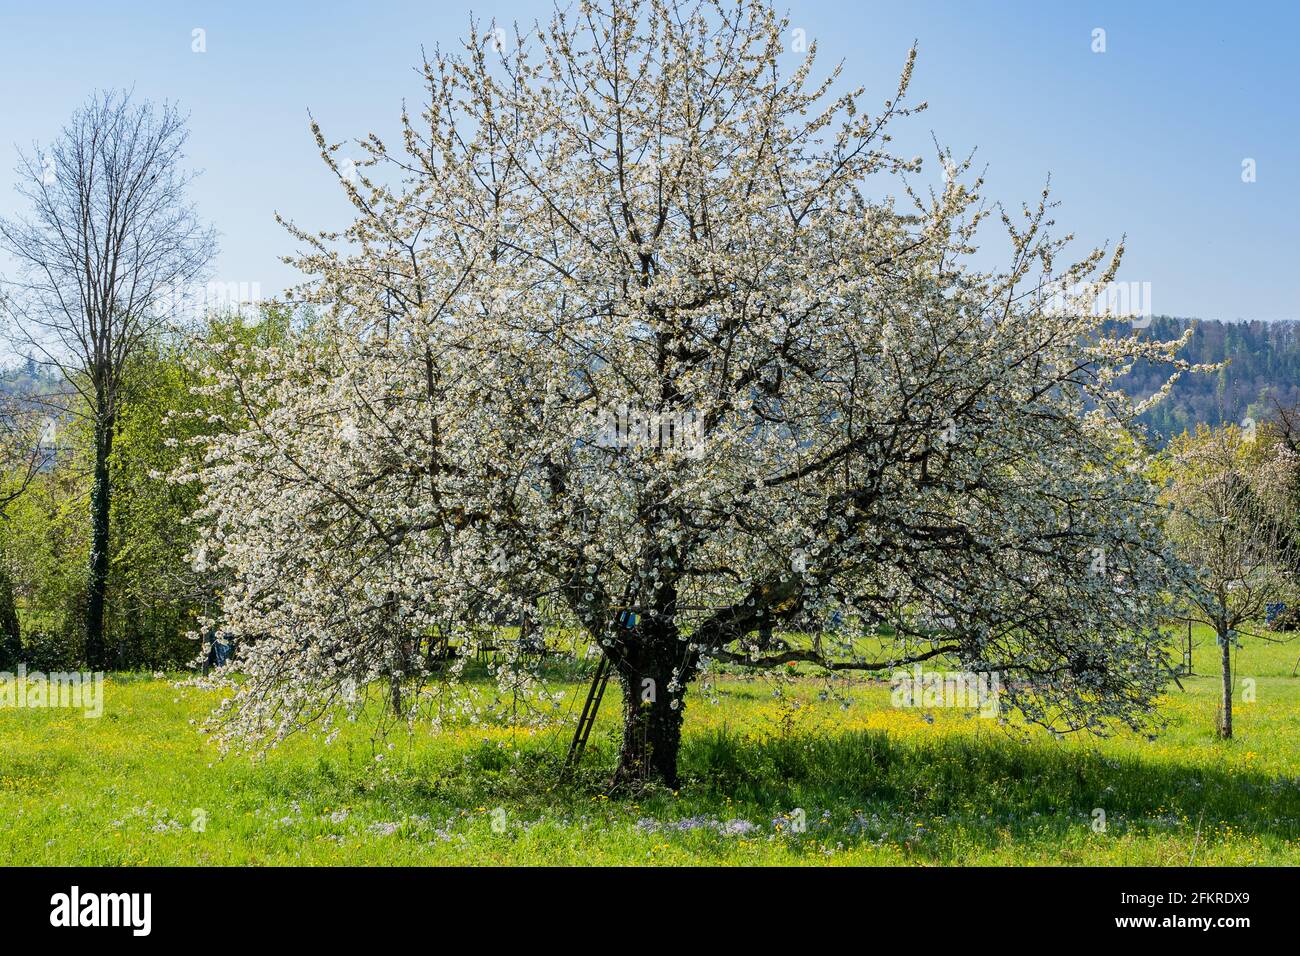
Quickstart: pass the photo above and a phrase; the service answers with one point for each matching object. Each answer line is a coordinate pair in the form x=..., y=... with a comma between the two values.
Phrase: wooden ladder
x=588, y=719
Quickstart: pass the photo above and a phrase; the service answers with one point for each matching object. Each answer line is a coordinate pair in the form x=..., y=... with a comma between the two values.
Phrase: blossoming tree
x=826, y=421
x=1231, y=521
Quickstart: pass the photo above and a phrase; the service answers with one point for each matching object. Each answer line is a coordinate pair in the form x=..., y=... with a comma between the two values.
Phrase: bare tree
x=1230, y=517
x=107, y=244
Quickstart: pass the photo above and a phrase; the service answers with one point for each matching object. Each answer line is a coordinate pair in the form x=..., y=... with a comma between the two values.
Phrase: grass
x=876, y=785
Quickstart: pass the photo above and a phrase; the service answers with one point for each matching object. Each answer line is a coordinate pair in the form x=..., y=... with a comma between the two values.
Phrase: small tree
x=1231, y=522
x=107, y=245
x=619, y=332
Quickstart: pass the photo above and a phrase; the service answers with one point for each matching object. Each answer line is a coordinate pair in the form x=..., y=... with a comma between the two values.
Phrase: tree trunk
x=97, y=580
x=652, y=725
x=1225, y=708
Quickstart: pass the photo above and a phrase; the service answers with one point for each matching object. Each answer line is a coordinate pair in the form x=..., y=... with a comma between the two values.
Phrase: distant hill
x=1263, y=365
x=27, y=380
x=27, y=387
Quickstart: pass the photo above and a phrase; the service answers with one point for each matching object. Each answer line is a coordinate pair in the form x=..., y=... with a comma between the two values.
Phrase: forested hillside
x=1263, y=365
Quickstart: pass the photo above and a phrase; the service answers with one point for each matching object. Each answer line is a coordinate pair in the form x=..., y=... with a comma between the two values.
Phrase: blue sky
x=1147, y=138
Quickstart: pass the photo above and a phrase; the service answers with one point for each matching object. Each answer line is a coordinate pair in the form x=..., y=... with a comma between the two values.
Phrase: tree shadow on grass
x=996, y=780
x=938, y=800
x=993, y=776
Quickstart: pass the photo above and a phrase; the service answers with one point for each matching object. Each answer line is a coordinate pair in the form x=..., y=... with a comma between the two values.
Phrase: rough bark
x=652, y=714
x=97, y=579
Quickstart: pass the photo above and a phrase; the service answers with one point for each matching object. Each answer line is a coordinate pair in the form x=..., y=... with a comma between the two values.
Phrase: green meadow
x=774, y=773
